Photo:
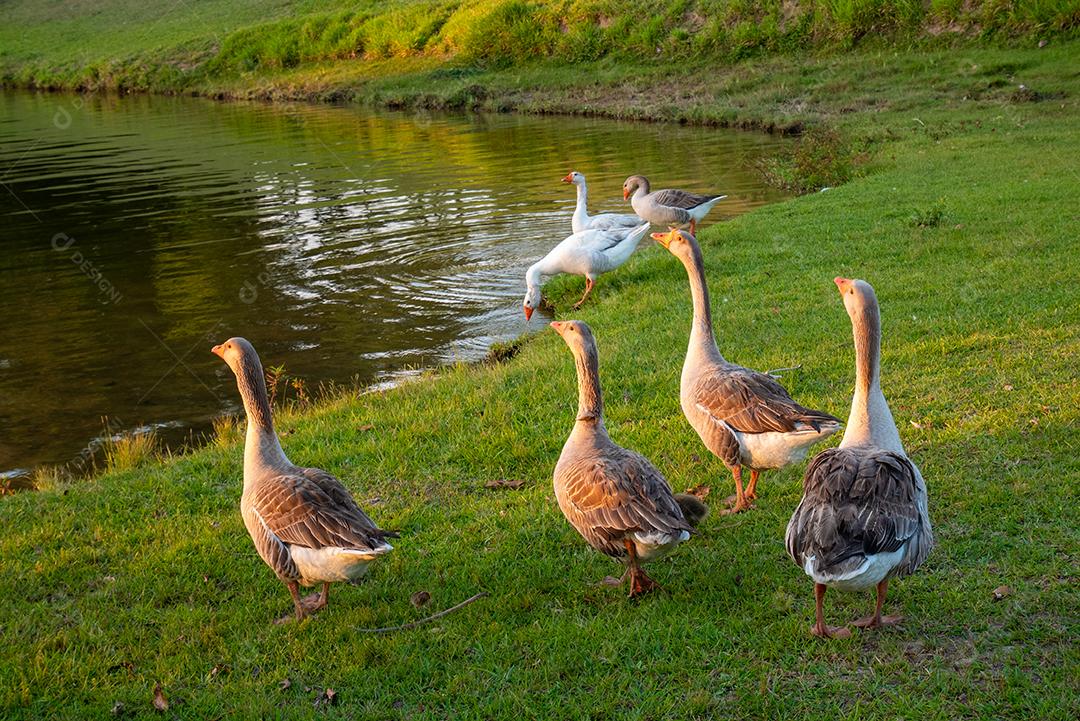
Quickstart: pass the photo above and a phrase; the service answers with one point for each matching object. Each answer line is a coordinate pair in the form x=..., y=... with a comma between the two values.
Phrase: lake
x=348, y=245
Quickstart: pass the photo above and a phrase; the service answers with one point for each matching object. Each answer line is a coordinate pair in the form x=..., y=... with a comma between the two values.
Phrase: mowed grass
x=965, y=223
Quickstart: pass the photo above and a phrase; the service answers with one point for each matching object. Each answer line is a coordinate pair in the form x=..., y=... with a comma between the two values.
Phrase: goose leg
x=820, y=628
x=316, y=601
x=877, y=620
x=640, y=583
x=751, y=489
x=693, y=226
x=612, y=581
x=741, y=503
x=589, y=283
x=294, y=591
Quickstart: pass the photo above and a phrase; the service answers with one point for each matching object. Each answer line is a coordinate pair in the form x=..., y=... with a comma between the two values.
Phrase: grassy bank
x=965, y=221
x=220, y=45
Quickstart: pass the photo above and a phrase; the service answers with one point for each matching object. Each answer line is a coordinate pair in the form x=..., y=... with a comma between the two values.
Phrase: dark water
x=345, y=244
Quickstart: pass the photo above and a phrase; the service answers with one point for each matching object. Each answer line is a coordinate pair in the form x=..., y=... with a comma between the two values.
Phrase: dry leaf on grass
x=504, y=483
x=160, y=703
x=285, y=683
x=1001, y=592
x=420, y=598
x=365, y=427
x=701, y=491
x=327, y=698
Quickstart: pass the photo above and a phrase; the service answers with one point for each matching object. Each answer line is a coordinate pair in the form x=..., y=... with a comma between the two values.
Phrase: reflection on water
x=343, y=243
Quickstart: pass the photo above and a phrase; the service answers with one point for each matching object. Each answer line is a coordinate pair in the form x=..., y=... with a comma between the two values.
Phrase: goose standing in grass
x=588, y=253
x=604, y=221
x=615, y=498
x=863, y=516
x=745, y=418
x=672, y=208
x=305, y=524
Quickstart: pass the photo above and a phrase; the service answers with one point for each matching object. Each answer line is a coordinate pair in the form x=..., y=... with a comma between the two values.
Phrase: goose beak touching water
x=863, y=516
x=615, y=498
x=303, y=521
x=678, y=208
x=747, y=419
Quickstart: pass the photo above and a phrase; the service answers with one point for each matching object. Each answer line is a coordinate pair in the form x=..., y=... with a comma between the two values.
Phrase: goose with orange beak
x=305, y=524
x=589, y=253
x=615, y=498
x=672, y=208
x=747, y=419
x=863, y=518
x=603, y=221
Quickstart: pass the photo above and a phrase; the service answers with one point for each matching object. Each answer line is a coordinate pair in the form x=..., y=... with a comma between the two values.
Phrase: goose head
x=576, y=334
x=859, y=298
x=237, y=353
x=677, y=242
x=574, y=177
x=631, y=185
x=531, y=302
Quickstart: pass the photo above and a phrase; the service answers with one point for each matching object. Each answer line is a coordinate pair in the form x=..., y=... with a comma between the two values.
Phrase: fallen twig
x=414, y=624
x=775, y=371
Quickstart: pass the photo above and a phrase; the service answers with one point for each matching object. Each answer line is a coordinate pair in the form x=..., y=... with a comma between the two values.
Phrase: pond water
x=346, y=244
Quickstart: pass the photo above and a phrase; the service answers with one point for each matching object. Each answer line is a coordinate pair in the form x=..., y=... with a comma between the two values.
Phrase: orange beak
x=569, y=177
x=842, y=283
x=528, y=313
x=625, y=193
x=665, y=239
x=219, y=351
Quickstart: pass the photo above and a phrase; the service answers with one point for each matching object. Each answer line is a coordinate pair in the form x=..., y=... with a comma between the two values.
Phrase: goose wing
x=606, y=496
x=752, y=402
x=313, y=509
x=681, y=198
x=857, y=503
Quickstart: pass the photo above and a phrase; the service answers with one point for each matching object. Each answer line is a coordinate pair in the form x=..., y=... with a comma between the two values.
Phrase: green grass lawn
x=964, y=220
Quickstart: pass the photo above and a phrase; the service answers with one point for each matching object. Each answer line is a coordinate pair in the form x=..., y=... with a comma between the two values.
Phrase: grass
x=963, y=216
x=125, y=45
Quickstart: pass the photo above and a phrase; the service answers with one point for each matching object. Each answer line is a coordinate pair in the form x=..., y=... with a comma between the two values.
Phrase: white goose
x=305, y=524
x=588, y=253
x=746, y=418
x=603, y=221
x=863, y=517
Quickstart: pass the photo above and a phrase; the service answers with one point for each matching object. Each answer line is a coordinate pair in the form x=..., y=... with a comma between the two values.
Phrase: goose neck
x=590, y=398
x=702, y=340
x=261, y=445
x=870, y=421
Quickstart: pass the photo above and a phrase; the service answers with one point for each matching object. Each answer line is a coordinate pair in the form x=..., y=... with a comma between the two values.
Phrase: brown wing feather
x=312, y=509
x=856, y=503
x=605, y=497
x=753, y=402
x=681, y=198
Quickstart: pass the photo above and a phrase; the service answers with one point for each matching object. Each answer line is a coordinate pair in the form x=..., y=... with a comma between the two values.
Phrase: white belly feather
x=319, y=565
x=870, y=572
x=651, y=546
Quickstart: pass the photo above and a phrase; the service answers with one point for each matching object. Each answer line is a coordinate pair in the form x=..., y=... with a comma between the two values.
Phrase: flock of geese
x=862, y=519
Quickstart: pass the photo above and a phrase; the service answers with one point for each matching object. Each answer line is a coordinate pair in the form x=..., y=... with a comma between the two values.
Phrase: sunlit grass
x=965, y=224
x=130, y=450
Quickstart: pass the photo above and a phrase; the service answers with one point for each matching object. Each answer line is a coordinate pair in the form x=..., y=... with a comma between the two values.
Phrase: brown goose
x=863, y=516
x=619, y=503
x=673, y=208
x=303, y=521
x=745, y=418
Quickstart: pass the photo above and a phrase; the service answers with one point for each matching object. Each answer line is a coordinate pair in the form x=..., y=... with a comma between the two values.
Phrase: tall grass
x=130, y=450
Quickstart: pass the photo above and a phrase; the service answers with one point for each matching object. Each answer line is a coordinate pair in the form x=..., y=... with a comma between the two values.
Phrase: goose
x=745, y=418
x=604, y=221
x=863, y=517
x=303, y=521
x=677, y=208
x=615, y=498
x=588, y=253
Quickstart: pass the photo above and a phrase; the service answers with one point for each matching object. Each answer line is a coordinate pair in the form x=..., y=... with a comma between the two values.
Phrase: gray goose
x=863, y=516
x=305, y=524
x=673, y=208
x=746, y=418
x=615, y=498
